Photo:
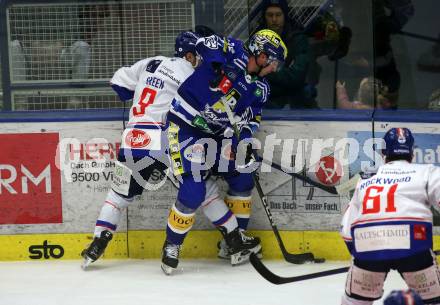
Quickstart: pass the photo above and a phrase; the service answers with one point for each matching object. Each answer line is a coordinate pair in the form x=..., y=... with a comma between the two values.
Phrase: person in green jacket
x=288, y=86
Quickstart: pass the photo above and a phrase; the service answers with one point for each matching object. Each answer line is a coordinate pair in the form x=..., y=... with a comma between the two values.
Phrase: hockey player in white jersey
x=152, y=84
x=388, y=225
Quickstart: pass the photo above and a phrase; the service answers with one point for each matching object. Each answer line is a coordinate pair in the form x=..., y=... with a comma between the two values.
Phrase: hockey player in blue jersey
x=230, y=77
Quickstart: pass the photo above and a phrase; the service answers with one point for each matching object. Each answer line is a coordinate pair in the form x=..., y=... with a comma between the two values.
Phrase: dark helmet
x=399, y=142
x=204, y=31
x=270, y=43
x=403, y=297
x=185, y=42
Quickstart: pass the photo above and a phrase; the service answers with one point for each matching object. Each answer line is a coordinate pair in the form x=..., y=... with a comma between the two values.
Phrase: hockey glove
x=245, y=145
x=224, y=78
x=244, y=136
x=249, y=164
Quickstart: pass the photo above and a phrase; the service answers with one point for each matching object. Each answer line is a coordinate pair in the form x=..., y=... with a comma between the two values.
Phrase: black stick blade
x=299, y=258
x=277, y=280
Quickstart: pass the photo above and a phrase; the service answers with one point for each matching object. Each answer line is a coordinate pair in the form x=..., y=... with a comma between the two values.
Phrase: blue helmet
x=399, y=142
x=403, y=297
x=185, y=42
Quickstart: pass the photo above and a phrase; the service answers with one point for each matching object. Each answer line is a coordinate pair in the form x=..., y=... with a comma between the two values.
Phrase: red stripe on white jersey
x=112, y=204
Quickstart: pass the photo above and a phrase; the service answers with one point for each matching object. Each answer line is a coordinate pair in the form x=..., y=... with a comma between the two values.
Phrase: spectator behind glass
x=434, y=100
x=368, y=89
x=389, y=18
x=288, y=86
x=77, y=56
x=18, y=66
x=326, y=38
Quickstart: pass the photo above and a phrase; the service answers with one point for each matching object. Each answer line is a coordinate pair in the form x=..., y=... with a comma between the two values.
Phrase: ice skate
x=96, y=248
x=240, y=246
x=170, y=257
x=225, y=253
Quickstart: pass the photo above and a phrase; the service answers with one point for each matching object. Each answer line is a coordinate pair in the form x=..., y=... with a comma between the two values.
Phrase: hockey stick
x=277, y=280
x=299, y=258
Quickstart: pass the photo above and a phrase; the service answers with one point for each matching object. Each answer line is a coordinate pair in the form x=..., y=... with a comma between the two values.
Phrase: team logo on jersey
x=137, y=138
x=152, y=65
x=329, y=170
x=258, y=92
x=195, y=153
x=231, y=98
x=201, y=123
x=211, y=42
x=419, y=232
x=224, y=85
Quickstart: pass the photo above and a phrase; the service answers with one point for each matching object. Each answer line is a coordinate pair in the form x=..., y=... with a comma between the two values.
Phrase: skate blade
x=87, y=261
x=240, y=257
x=243, y=256
x=167, y=269
x=257, y=250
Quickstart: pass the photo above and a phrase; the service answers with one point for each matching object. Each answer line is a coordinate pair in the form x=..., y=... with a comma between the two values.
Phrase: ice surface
x=141, y=282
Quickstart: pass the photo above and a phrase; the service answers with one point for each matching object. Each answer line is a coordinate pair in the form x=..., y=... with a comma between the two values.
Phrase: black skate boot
x=96, y=248
x=225, y=253
x=240, y=245
x=170, y=257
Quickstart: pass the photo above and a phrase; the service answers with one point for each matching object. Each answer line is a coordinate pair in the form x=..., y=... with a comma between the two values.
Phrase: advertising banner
x=30, y=182
x=56, y=181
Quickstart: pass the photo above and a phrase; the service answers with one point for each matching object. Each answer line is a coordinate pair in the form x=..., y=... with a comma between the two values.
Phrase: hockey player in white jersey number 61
x=388, y=225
